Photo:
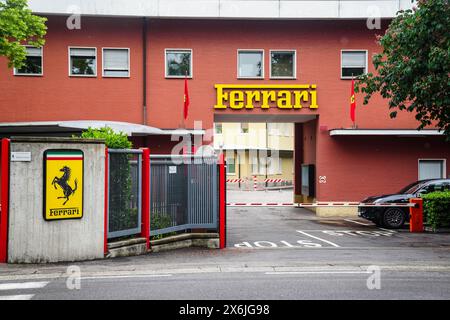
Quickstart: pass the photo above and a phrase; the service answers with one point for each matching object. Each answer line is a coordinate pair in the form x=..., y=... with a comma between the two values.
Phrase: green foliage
x=437, y=209
x=413, y=69
x=112, y=139
x=160, y=221
x=19, y=26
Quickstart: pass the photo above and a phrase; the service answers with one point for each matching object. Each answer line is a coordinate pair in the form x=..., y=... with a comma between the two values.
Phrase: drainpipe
x=144, y=73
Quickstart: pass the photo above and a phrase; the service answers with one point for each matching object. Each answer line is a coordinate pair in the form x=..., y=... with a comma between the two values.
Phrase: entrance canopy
x=385, y=132
x=58, y=127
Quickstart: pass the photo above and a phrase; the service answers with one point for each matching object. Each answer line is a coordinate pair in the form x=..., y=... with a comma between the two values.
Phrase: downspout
x=144, y=73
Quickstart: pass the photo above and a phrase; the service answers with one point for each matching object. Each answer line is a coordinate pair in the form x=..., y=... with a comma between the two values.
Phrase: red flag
x=352, y=102
x=186, y=98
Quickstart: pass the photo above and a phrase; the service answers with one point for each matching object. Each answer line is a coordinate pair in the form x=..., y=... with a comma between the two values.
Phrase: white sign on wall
x=20, y=156
x=172, y=169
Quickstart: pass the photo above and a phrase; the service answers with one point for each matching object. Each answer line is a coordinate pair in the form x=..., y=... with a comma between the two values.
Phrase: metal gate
x=183, y=193
x=125, y=192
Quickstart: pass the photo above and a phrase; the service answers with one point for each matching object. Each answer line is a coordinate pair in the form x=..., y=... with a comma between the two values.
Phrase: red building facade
x=380, y=155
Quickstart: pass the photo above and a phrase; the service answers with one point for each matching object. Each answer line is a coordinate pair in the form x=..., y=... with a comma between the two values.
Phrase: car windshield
x=411, y=188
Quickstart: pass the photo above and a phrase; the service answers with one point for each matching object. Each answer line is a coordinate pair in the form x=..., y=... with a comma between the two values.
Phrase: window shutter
x=354, y=59
x=84, y=52
x=34, y=52
x=115, y=59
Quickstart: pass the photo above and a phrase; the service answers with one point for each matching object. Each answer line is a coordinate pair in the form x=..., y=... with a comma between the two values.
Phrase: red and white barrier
x=318, y=204
x=235, y=180
x=273, y=180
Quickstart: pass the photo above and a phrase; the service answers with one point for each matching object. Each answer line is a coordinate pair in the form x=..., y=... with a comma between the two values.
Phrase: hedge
x=437, y=209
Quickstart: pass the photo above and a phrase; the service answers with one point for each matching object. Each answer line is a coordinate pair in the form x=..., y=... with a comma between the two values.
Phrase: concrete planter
x=134, y=247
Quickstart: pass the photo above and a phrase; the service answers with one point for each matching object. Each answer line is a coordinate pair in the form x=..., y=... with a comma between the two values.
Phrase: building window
x=231, y=166
x=275, y=166
x=218, y=128
x=33, y=63
x=282, y=64
x=178, y=63
x=431, y=169
x=116, y=62
x=83, y=62
x=251, y=64
x=244, y=127
x=353, y=63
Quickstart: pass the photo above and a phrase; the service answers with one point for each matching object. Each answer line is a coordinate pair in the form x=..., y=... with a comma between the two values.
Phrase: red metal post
x=222, y=202
x=105, y=241
x=145, y=229
x=416, y=215
x=4, y=210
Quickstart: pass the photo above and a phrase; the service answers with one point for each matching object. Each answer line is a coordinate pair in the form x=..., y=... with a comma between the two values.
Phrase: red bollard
x=416, y=215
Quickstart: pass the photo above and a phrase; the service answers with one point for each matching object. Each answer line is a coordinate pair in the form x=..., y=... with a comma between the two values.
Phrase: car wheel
x=393, y=218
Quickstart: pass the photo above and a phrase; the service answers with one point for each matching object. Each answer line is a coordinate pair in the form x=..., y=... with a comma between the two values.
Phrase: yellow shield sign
x=63, y=184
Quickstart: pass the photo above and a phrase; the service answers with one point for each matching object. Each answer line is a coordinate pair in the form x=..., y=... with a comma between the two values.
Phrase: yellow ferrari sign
x=63, y=185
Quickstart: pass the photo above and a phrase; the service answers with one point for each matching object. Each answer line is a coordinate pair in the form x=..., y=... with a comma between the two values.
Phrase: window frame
x=366, y=67
x=262, y=66
x=216, y=125
x=103, y=62
x=191, y=64
x=82, y=75
x=294, y=66
x=15, y=70
x=234, y=166
x=444, y=166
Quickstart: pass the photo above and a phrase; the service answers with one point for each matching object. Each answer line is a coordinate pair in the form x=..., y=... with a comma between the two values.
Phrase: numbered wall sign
x=63, y=184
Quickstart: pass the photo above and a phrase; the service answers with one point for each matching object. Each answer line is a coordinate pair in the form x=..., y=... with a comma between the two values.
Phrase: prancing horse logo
x=63, y=183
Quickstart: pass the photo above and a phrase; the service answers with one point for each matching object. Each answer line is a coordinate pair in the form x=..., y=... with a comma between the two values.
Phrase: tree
x=19, y=26
x=413, y=69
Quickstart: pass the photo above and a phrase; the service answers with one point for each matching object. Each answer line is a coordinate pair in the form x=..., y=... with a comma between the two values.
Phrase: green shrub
x=160, y=221
x=437, y=209
x=113, y=140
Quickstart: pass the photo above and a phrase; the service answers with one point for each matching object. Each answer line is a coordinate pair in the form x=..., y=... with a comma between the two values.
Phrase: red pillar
x=298, y=160
x=416, y=215
x=145, y=228
x=4, y=210
x=222, y=203
x=105, y=241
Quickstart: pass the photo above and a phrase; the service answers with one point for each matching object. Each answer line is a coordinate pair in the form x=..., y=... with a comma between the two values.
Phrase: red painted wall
x=215, y=44
x=354, y=167
x=360, y=166
x=56, y=96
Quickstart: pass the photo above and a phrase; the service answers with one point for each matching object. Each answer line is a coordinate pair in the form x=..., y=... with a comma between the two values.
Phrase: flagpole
x=183, y=120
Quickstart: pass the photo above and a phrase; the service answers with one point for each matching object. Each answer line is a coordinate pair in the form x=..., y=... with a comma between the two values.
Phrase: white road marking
x=389, y=230
x=17, y=297
x=320, y=239
x=24, y=285
x=315, y=272
x=127, y=276
x=357, y=222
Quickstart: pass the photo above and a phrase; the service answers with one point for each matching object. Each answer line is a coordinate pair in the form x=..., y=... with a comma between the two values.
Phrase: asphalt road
x=260, y=285
x=273, y=253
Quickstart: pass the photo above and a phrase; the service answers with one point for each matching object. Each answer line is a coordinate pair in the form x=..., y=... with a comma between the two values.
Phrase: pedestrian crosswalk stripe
x=24, y=285
x=17, y=297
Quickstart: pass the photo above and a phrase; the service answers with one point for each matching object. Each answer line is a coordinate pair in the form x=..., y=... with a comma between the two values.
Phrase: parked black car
x=395, y=217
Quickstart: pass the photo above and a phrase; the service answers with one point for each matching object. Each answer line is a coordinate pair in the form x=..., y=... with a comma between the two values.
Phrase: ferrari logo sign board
x=63, y=184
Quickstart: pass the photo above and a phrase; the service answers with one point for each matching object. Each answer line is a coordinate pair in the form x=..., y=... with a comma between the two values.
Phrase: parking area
x=298, y=228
